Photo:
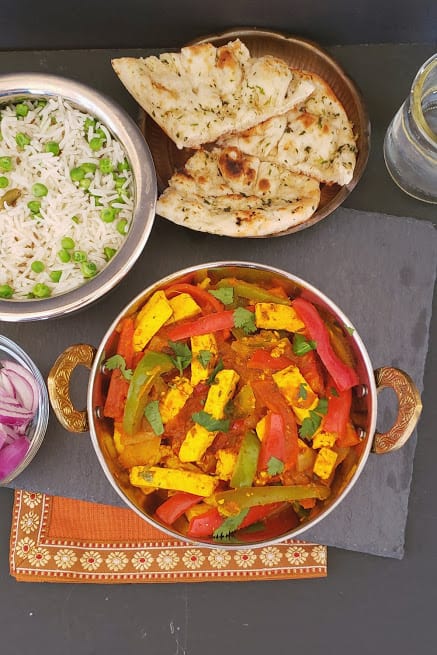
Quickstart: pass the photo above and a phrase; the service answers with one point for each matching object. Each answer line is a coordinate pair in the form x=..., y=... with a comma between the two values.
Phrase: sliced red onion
x=23, y=390
x=12, y=455
x=27, y=375
x=5, y=384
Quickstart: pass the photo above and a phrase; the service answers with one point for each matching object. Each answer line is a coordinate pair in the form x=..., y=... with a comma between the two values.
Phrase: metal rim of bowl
x=332, y=308
x=125, y=130
x=39, y=428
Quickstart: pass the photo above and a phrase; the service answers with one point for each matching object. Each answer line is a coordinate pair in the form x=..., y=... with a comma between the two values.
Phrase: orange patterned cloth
x=56, y=539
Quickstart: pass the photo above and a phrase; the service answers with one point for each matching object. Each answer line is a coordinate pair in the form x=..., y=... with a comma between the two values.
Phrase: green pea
x=3, y=182
x=97, y=201
x=123, y=166
x=122, y=227
x=105, y=165
x=41, y=290
x=75, y=219
x=39, y=190
x=79, y=256
x=37, y=266
x=117, y=201
x=21, y=110
x=67, y=243
x=85, y=183
x=64, y=256
x=34, y=206
x=89, y=122
x=101, y=133
x=42, y=103
x=96, y=143
x=89, y=269
x=5, y=164
x=77, y=174
x=6, y=291
x=55, y=276
x=109, y=253
x=108, y=214
x=119, y=182
x=89, y=167
x=22, y=139
x=53, y=147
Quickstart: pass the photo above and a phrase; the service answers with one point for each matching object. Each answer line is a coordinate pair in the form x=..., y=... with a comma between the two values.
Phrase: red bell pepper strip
x=204, y=525
x=268, y=394
x=206, y=300
x=118, y=385
x=339, y=407
x=350, y=437
x=272, y=526
x=343, y=375
x=262, y=359
x=273, y=443
x=172, y=508
x=203, y=325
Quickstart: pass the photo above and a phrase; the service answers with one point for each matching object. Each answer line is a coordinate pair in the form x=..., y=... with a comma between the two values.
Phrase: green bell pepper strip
x=252, y=496
x=149, y=368
x=247, y=461
x=252, y=292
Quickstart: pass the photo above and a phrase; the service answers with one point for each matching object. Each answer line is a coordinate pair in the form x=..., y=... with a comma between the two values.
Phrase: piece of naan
x=314, y=138
x=228, y=193
x=203, y=92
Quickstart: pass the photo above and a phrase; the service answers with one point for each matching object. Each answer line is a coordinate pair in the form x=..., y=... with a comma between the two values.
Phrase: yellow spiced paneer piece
x=202, y=365
x=175, y=398
x=325, y=462
x=183, y=306
x=118, y=442
x=173, y=479
x=150, y=319
x=198, y=438
x=273, y=316
x=296, y=391
x=226, y=460
x=323, y=439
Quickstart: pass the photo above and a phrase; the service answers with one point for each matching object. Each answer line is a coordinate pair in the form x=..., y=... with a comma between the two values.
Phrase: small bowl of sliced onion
x=24, y=410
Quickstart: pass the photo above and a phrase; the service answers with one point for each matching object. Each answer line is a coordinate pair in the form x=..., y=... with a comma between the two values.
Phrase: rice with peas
x=74, y=204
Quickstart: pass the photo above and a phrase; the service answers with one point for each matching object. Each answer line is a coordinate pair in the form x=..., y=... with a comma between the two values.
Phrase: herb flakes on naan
x=228, y=193
x=314, y=138
x=203, y=92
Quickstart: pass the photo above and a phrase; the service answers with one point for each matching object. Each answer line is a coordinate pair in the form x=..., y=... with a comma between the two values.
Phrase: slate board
x=379, y=269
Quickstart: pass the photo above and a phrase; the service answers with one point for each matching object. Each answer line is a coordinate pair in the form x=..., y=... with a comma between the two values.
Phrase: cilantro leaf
x=224, y=294
x=334, y=392
x=210, y=423
x=322, y=406
x=230, y=524
x=204, y=357
x=117, y=361
x=245, y=319
x=275, y=466
x=302, y=345
x=182, y=356
x=311, y=423
x=349, y=329
x=152, y=414
x=218, y=367
x=303, y=393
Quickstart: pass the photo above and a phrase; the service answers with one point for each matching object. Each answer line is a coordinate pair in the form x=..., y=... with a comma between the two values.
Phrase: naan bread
x=228, y=193
x=204, y=92
x=314, y=138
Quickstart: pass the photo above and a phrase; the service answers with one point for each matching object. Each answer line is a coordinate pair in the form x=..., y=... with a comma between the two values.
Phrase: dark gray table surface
x=366, y=604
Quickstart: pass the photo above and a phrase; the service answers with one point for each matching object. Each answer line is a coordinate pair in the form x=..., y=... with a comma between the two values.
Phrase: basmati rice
x=69, y=209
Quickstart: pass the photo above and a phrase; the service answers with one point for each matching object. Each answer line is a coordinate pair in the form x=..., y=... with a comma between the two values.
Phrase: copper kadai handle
x=409, y=409
x=58, y=383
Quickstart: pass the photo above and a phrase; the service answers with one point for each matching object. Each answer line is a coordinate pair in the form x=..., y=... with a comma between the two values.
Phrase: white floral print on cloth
x=35, y=556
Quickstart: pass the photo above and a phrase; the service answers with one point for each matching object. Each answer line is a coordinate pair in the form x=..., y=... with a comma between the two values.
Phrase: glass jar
x=410, y=145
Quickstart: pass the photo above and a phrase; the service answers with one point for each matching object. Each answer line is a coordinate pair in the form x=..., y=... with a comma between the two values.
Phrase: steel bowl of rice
x=77, y=195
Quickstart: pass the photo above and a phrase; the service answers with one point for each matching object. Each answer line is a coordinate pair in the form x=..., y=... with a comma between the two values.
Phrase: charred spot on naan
x=235, y=166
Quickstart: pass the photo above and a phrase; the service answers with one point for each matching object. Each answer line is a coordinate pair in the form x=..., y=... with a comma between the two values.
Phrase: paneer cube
x=273, y=316
x=296, y=391
x=150, y=319
x=324, y=439
x=173, y=479
x=183, y=306
x=325, y=462
x=118, y=443
x=144, y=453
x=198, y=439
x=175, y=399
x=226, y=460
x=260, y=428
x=199, y=371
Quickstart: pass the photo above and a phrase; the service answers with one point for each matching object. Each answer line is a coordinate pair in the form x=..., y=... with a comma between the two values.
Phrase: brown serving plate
x=298, y=53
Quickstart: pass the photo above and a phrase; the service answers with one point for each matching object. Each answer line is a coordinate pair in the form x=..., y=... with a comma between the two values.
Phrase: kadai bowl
x=232, y=403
